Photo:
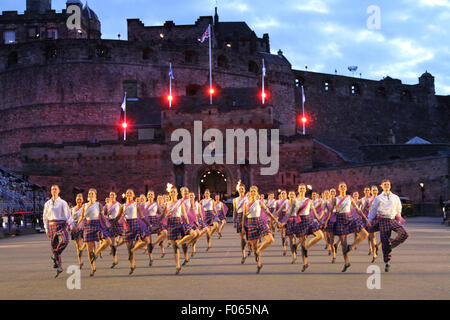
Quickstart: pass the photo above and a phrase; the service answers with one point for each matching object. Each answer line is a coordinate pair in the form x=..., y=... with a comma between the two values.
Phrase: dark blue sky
x=323, y=34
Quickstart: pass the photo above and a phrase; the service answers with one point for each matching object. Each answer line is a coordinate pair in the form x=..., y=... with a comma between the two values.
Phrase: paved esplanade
x=420, y=270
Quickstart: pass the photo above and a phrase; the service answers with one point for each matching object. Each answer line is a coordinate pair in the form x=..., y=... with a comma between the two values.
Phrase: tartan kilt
x=281, y=216
x=330, y=226
x=346, y=224
x=290, y=226
x=58, y=229
x=135, y=230
x=306, y=226
x=116, y=229
x=221, y=215
x=155, y=226
x=175, y=228
x=386, y=224
x=238, y=222
x=210, y=217
x=93, y=231
x=187, y=227
x=199, y=224
x=256, y=229
x=76, y=234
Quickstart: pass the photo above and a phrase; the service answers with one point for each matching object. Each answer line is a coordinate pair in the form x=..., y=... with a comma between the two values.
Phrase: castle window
x=222, y=61
x=33, y=33
x=327, y=85
x=354, y=89
x=52, y=34
x=253, y=66
x=52, y=53
x=12, y=58
x=9, y=37
x=147, y=53
x=192, y=89
x=406, y=95
x=381, y=92
x=101, y=51
x=190, y=56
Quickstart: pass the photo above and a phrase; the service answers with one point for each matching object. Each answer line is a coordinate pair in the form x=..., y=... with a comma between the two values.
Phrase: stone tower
x=39, y=6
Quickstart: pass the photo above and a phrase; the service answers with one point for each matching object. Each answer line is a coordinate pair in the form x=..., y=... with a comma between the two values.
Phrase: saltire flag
x=206, y=34
x=170, y=72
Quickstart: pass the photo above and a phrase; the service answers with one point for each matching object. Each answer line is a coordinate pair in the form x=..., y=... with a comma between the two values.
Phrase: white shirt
x=175, y=209
x=152, y=209
x=254, y=211
x=345, y=206
x=92, y=212
x=300, y=203
x=240, y=203
x=112, y=210
x=385, y=206
x=208, y=204
x=76, y=214
x=130, y=211
x=56, y=210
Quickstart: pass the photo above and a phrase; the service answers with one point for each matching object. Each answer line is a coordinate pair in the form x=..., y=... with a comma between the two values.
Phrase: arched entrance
x=215, y=179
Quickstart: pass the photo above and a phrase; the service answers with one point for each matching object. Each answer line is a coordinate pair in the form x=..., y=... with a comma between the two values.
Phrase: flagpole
x=303, y=109
x=170, y=87
x=263, y=95
x=125, y=119
x=210, y=68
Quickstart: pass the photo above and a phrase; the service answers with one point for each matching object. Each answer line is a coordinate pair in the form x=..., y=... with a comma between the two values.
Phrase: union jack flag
x=206, y=34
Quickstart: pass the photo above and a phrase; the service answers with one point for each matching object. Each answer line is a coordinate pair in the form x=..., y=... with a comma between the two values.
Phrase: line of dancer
x=183, y=220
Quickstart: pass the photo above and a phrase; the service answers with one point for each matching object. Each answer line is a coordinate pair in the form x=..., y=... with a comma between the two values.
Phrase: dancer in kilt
x=161, y=226
x=95, y=228
x=211, y=218
x=200, y=224
x=271, y=205
x=190, y=229
x=289, y=221
x=281, y=208
x=385, y=215
x=174, y=209
x=256, y=228
x=135, y=232
x=77, y=231
x=329, y=226
x=238, y=210
x=307, y=225
x=366, y=204
x=56, y=216
x=221, y=210
x=150, y=211
x=117, y=229
x=346, y=224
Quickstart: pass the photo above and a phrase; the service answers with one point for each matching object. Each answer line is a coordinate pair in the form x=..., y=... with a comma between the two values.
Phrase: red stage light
x=263, y=95
x=211, y=90
x=124, y=125
x=304, y=120
x=170, y=98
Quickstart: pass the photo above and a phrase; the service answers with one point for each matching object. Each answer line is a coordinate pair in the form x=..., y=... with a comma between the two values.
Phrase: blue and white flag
x=303, y=95
x=263, y=69
x=124, y=103
x=170, y=72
